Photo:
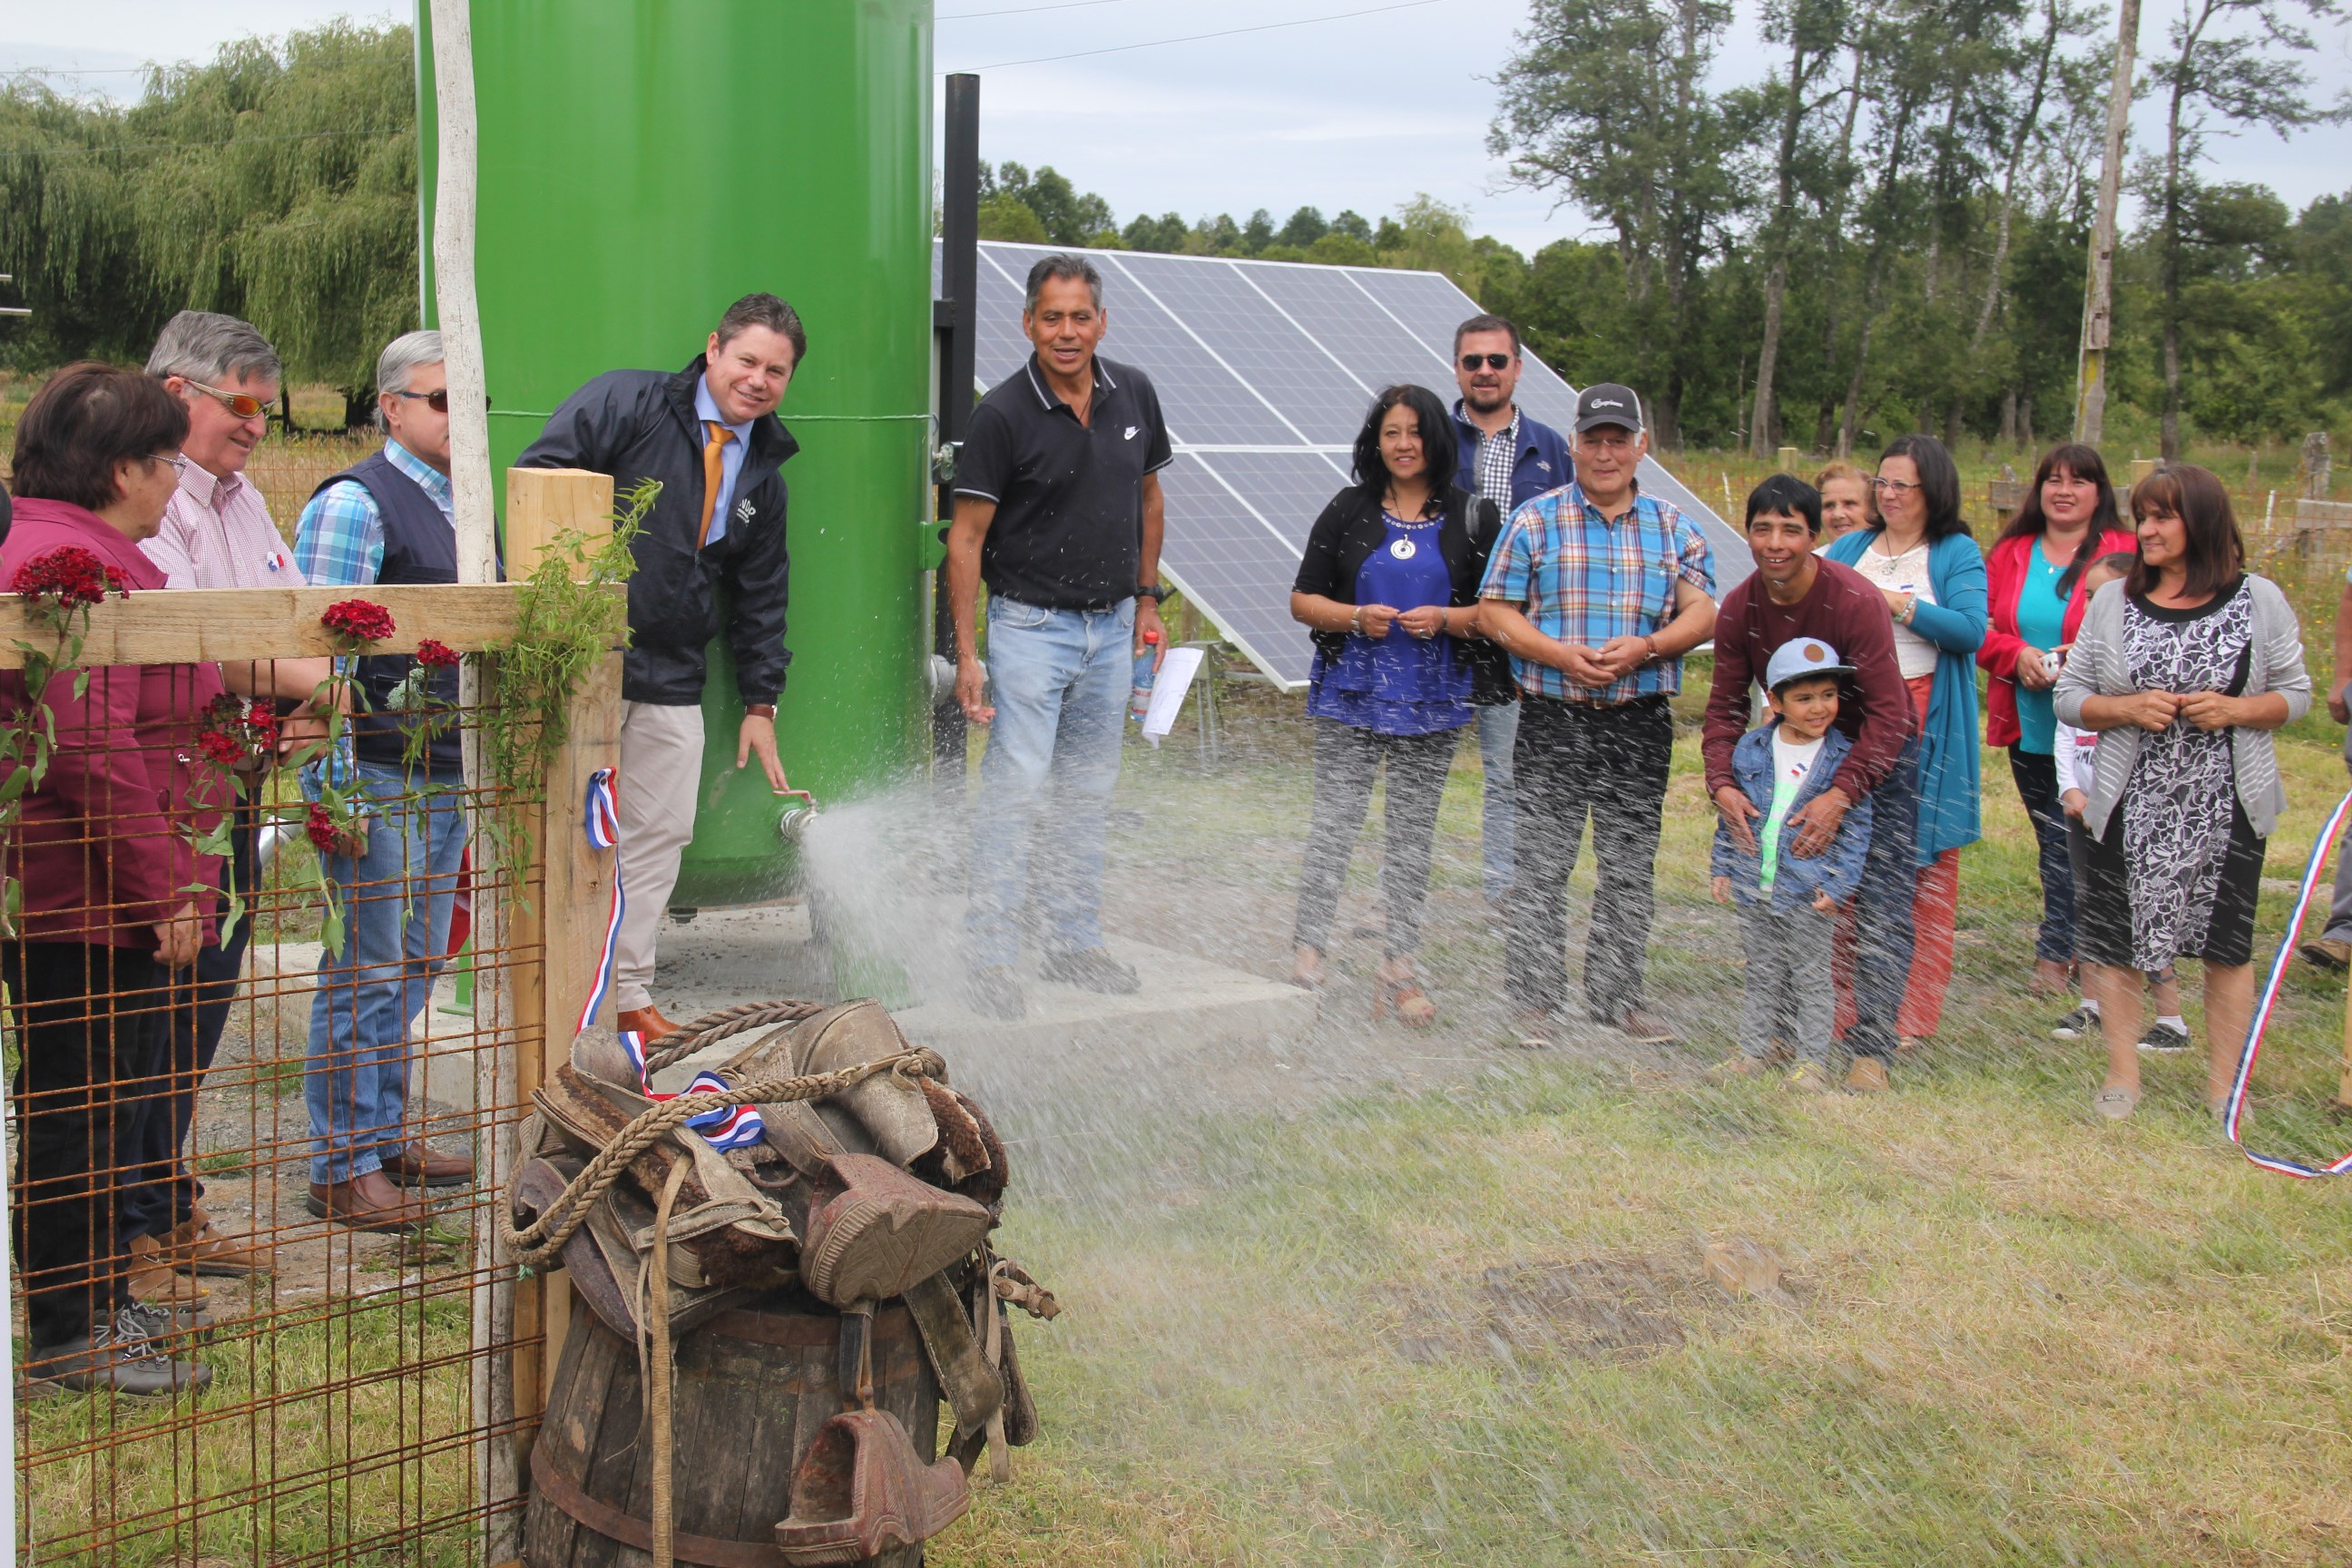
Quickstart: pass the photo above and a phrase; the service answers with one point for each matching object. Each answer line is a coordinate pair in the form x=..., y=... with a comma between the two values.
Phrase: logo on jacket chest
x=744, y=511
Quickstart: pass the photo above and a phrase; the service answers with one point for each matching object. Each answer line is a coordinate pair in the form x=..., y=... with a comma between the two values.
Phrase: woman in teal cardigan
x=1921, y=557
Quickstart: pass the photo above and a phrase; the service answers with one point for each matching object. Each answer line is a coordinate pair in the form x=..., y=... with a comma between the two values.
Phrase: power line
x=1196, y=37
x=1025, y=10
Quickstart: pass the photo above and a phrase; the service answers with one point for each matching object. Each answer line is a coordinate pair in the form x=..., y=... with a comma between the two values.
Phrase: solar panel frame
x=1256, y=363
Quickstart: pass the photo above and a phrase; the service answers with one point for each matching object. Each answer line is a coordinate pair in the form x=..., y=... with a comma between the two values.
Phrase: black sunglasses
x=436, y=401
x=1492, y=362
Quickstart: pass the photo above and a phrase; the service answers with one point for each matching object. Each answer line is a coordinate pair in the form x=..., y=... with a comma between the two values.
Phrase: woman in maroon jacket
x=2033, y=574
x=103, y=856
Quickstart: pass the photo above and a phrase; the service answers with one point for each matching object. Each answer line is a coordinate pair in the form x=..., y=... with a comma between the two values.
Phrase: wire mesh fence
x=259, y=1311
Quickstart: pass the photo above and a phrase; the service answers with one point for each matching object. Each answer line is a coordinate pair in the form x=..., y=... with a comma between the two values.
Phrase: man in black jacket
x=709, y=434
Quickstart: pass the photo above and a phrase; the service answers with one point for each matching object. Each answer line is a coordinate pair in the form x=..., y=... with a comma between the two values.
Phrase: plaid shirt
x=1582, y=579
x=340, y=540
x=1498, y=453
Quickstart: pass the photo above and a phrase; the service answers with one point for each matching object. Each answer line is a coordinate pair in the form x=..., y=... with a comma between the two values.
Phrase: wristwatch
x=759, y=710
x=1153, y=592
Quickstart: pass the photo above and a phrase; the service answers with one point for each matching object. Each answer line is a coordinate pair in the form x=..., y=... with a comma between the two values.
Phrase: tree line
x=1884, y=229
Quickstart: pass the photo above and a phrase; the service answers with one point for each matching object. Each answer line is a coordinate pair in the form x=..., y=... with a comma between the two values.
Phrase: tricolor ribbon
x=730, y=1127
x=2243, y=1082
x=603, y=823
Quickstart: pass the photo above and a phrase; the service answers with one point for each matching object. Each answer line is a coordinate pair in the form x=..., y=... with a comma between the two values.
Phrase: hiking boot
x=2164, y=1040
x=2078, y=1025
x=166, y=1326
x=1810, y=1078
x=115, y=1357
x=1867, y=1076
x=2326, y=953
x=1643, y=1028
x=1093, y=969
x=995, y=992
x=198, y=1246
x=419, y=1164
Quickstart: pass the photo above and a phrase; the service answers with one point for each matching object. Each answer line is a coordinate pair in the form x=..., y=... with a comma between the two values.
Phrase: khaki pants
x=661, y=769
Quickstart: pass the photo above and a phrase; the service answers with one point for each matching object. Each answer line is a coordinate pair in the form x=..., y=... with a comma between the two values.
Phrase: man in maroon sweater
x=1795, y=593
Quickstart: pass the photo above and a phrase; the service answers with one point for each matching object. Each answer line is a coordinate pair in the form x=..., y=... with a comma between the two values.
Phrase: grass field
x=1471, y=1326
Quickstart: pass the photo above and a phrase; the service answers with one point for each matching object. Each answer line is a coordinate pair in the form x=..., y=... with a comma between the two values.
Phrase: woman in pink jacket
x=103, y=858
x=2033, y=575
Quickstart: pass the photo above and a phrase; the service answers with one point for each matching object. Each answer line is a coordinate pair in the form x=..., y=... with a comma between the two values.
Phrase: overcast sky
x=1361, y=113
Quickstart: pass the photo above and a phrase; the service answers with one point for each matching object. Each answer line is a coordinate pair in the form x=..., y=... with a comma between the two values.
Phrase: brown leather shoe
x=367, y=1202
x=198, y=1246
x=1645, y=1029
x=647, y=1021
x=152, y=1280
x=1867, y=1076
x=419, y=1164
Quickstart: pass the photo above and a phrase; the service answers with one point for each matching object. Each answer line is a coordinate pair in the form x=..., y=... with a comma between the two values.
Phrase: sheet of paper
x=1175, y=678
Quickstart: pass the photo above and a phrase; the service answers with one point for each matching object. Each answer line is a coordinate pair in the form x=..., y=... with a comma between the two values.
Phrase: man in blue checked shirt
x=386, y=519
x=1596, y=591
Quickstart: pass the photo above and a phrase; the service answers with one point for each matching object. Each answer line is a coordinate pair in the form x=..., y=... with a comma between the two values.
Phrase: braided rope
x=540, y=1244
x=713, y=1028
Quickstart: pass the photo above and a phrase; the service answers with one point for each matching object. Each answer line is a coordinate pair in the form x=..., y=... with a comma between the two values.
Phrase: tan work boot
x=1867, y=1076
x=152, y=1279
x=198, y=1246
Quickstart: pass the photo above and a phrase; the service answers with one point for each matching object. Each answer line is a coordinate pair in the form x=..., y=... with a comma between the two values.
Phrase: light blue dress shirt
x=730, y=457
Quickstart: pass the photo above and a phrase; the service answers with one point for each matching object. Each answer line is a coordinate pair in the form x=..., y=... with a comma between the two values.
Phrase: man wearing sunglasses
x=710, y=435
x=386, y=519
x=216, y=533
x=1508, y=459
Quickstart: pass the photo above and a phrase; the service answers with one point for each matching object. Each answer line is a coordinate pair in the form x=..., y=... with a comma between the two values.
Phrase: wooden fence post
x=557, y=937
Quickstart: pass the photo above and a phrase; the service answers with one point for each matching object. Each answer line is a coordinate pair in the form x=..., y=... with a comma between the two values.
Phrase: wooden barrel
x=753, y=1386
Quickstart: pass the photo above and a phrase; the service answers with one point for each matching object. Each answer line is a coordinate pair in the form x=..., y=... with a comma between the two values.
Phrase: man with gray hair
x=1057, y=506
x=386, y=519
x=216, y=533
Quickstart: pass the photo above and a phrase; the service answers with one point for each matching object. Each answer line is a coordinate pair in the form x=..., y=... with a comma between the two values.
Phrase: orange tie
x=711, y=469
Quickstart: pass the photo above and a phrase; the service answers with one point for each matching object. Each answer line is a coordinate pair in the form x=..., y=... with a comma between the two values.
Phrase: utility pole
x=2098, y=295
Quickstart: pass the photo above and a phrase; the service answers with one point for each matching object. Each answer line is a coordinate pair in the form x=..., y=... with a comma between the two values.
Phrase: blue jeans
x=1499, y=732
x=1059, y=679
x=396, y=899
x=1882, y=908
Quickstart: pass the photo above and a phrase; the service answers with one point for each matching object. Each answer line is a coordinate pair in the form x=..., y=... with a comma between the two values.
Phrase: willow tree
x=276, y=182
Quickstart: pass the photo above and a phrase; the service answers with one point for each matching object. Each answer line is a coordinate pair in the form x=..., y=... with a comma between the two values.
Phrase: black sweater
x=1351, y=529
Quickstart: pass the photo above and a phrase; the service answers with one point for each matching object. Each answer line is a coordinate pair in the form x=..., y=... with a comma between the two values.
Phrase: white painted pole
x=496, y=1472
x=453, y=289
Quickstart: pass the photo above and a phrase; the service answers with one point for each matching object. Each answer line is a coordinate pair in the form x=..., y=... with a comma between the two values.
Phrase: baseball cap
x=1800, y=657
x=1608, y=404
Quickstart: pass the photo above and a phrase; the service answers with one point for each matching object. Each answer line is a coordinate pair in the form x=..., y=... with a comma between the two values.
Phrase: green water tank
x=642, y=165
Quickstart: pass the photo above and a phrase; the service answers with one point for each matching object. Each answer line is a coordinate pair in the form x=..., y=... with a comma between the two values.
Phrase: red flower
x=68, y=576
x=321, y=827
x=434, y=652
x=221, y=747
x=357, y=619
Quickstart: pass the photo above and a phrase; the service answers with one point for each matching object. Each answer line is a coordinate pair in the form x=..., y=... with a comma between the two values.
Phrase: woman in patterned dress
x=2184, y=668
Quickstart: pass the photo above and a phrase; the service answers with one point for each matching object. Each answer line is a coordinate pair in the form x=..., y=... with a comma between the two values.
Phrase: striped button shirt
x=1582, y=579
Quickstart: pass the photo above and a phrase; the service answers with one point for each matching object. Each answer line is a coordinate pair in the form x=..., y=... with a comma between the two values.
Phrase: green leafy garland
x=567, y=618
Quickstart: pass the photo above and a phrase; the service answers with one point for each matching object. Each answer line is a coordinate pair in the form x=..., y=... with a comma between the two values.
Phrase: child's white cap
x=1800, y=657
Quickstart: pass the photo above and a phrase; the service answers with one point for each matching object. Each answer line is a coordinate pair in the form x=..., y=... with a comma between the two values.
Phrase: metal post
x=953, y=323
x=2098, y=296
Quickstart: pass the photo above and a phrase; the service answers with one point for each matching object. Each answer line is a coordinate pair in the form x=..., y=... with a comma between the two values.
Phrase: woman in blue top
x=1920, y=555
x=1389, y=586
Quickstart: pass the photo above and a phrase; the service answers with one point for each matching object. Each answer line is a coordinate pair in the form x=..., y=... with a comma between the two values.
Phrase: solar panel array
x=1266, y=370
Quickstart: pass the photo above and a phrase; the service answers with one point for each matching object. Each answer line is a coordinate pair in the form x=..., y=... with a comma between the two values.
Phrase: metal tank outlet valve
x=795, y=824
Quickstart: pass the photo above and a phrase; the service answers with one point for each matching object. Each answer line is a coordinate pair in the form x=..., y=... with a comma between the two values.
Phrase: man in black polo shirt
x=1057, y=505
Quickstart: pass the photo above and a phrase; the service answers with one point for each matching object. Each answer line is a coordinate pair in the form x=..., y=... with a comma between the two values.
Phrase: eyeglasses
x=179, y=463
x=1896, y=486
x=438, y=401
x=244, y=405
x=1492, y=362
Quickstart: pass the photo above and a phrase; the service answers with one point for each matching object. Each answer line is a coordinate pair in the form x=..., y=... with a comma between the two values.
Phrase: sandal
x=2115, y=1103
